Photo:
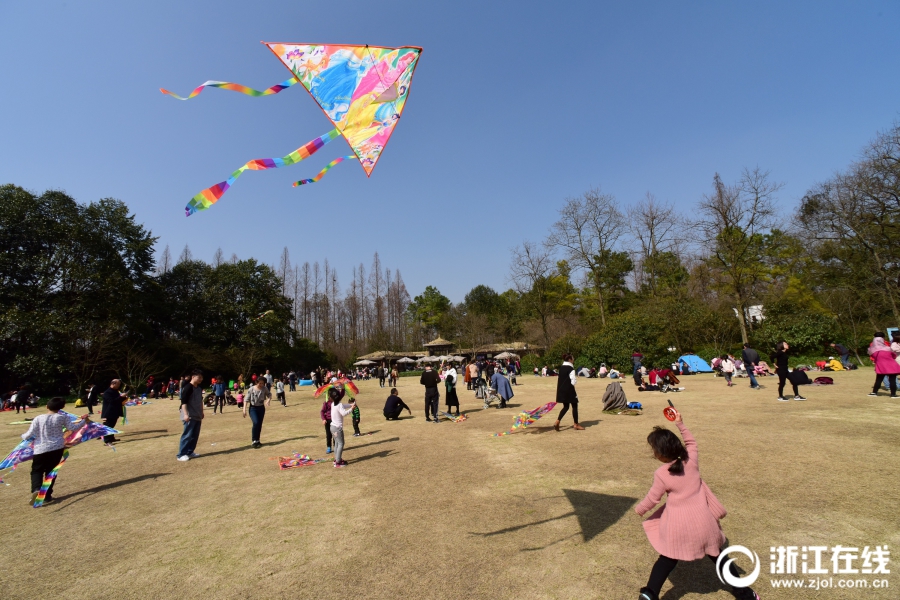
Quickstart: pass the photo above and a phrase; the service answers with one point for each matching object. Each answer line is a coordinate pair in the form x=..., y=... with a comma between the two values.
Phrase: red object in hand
x=670, y=413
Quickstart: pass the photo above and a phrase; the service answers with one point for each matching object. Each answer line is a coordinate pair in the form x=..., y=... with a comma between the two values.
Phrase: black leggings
x=782, y=377
x=565, y=409
x=328, y=433
x=220, y=404
x=664, y=567
x=892, y=381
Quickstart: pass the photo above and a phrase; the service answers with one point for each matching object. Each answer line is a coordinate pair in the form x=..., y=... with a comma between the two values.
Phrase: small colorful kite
x=297, y=460
x=455, y=418
x=528, y=417
x=349, y=387
x=361, y=89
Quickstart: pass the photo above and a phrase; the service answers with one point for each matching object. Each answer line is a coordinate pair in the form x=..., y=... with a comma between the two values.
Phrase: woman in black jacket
x=781, y=369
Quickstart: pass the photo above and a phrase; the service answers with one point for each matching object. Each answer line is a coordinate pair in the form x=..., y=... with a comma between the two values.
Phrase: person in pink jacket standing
x=885, y=364
x=687, y=526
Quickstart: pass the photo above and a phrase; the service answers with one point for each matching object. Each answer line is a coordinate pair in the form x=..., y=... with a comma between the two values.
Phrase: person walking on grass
x=565, y=392
x=256, y=403
x=49, y=443
x=727, y=366
x=885, y=364
x=279, y=392
x=338, y=412
x=751, y=359
x=687, y=526
x=112, y=408
x=430, y=379
x=191, y=415
x=843, y=353
x=219, y=391
x=780, y=358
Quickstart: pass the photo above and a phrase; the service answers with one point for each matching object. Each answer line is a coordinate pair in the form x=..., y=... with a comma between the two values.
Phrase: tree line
x=743, y=266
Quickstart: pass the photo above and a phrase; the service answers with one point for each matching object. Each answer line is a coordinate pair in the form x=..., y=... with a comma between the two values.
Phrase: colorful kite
x=361, y=89
x=455, y=418
x=297, y=460
x=528, y=417
x=349, y=387
x=25, y=450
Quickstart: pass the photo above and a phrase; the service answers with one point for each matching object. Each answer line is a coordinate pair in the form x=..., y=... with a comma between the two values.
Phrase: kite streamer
x=528, y=417
x=321, y=174
x=211, y=195
x=361, y=89
x=48, y=481
x=236, y=87
x=297, y=460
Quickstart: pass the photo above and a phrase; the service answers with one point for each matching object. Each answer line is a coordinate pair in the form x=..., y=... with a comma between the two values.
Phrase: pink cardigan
x=686, y=527
x=885, y=363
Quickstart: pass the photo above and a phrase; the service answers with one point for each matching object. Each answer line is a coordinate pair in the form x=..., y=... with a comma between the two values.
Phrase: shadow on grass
x=152, y=437
x=382, y=454
x=102, y=488
x=393, y=439
x=249, y=447
x=595, y=513
x=124, y=433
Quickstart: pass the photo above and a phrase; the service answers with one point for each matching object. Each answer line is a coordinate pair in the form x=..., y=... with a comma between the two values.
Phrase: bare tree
x=186, y=255
x=656, y=229
x=164, y=265
x=284, y=270
x=531, y=270
x=135, y=364
x=234, y=259
x=218, y=258
x=377, y=287
x=733, y=220
x=587, y=231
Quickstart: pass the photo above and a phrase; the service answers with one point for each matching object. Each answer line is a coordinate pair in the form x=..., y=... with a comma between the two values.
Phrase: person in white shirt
x=279, y=392
x=338, y=412
x=49, y=443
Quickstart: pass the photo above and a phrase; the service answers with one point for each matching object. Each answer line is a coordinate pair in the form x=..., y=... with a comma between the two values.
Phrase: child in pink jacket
x=686, y=527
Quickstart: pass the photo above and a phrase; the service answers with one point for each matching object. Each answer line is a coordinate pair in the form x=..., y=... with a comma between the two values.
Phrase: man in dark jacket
x=191, y=415
x=565, y=392
x=751, y=359
x=843, y=353
x=394, y=406
x=112, y=408
x=430, y=379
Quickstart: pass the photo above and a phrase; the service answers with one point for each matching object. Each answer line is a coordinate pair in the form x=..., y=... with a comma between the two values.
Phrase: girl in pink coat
x=885, y=364
x=686, y=527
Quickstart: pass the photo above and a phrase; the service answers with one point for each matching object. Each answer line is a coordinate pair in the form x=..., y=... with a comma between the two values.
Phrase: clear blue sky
x=514, y=107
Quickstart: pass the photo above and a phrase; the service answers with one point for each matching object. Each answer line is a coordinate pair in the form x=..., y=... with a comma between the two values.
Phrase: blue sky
x=514, y=107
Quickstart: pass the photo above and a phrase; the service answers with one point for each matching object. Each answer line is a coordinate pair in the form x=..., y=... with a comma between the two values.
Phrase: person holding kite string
x=687, y=526
x=49, y=443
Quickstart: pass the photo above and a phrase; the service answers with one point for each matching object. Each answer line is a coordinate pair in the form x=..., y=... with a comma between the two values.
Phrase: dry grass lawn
x=447, y=511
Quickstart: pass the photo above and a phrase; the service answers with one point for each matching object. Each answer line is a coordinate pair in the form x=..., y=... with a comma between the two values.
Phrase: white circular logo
x=724, y=571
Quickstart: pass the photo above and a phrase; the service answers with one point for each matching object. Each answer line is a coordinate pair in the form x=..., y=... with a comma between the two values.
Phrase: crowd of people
x=686, y=527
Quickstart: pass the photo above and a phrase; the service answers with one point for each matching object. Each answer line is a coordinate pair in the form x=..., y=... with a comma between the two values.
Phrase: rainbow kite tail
x=321, y=174
x=211, y=195
x=48, y=481
x=236, y=87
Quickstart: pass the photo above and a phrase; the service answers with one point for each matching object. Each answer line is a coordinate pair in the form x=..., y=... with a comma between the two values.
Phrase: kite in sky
x=528, y=417
x=361, y=89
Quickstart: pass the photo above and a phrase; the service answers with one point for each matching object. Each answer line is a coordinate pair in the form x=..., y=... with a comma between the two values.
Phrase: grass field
x=448, y=511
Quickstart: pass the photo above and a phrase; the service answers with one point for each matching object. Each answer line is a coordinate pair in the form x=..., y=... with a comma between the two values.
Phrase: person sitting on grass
x=49, y=443
x=394, y=405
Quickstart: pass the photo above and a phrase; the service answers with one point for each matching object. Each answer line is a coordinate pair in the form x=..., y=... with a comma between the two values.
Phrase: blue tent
x=695, y=363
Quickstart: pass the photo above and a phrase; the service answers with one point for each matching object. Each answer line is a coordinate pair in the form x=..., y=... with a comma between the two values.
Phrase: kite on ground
x=361, y=89
x=455, y=418
x=528, y=417
x=297, y=460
